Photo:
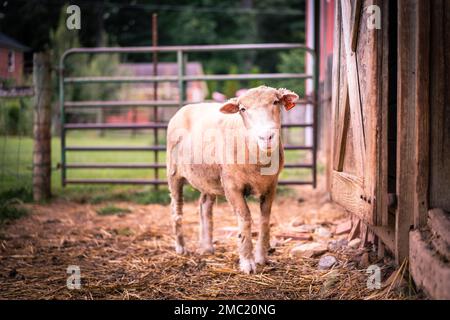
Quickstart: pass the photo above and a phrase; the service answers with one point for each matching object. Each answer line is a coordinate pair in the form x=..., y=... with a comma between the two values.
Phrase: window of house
x=11, y=61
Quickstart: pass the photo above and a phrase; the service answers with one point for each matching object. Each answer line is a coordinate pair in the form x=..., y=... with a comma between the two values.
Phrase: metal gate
x=181, y=79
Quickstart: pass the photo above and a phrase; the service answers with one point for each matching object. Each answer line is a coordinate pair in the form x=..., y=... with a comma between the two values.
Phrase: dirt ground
x=131, y=256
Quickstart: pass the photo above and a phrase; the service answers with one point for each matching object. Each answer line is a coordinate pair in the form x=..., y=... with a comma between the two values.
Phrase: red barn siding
x=18, y=66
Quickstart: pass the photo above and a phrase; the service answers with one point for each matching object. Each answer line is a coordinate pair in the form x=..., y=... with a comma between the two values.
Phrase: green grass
x=112, y=210
x=11, y=212
x=16, y=169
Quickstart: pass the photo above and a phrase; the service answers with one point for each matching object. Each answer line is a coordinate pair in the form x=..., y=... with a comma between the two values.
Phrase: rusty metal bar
x=155, y=87
x=143, y=103
x=115, y=148
x=115, y=166
x=289, y=147
x=294, y=182
x=251, y=76
x=101, y=104
x=114, y=126
x=160, y=182
x=121, y=79
x=151, y=166
x=297, y=165
x=153, y=148
x=160, y=125
x=215, y=77
x=316, y=55
x=296, y=125
x=194, y=48
x=116, y=181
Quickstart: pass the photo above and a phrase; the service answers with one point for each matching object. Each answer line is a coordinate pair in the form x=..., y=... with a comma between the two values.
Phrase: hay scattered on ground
x=131, y=256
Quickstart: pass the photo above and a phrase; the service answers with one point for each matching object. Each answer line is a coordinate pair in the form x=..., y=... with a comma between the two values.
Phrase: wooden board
x=356, y=112
x=440, y=105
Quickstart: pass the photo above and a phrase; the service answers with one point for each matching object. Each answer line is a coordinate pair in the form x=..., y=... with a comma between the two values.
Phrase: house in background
x=11, y=60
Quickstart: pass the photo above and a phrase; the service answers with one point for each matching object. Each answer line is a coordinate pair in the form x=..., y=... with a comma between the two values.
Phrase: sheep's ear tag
x=289, y=105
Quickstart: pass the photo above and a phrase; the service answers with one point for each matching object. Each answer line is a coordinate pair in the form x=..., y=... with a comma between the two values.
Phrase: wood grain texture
x=354, y=92
x=336, y=83
x=386, y=235
x=348, y=192
x=372, y=104
x=440, y=105
x=342, y=129
x=406, y=173
x=42, y=126
x=356, y=14
x=422, y=125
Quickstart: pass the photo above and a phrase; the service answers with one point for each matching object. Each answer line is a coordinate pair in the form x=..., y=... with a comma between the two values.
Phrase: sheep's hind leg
x=176, y=194
x=263, y=243
x=206, y=203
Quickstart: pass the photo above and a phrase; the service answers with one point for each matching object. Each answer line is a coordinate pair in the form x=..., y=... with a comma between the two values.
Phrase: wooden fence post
x=42, y=126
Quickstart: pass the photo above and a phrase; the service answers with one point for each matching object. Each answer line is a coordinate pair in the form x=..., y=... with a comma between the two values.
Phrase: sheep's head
x=259, y=109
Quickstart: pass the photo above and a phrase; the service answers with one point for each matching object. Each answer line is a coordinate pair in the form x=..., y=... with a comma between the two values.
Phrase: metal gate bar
x=181, y=79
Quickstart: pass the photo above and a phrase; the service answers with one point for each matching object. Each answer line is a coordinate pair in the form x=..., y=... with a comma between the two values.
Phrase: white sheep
x=232, y=149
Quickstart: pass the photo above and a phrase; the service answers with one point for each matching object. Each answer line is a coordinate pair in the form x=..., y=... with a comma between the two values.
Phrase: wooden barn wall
x=440, y=105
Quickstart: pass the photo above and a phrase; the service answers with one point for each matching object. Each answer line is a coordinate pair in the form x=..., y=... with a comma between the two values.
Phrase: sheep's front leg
x=263, y=244
x=206, y=203
x=240, y=207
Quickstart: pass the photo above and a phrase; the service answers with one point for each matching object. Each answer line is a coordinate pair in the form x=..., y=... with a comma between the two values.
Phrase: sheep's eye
x=242, y=109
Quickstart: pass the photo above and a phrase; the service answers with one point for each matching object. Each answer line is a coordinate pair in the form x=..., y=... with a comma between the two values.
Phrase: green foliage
x=11, y=204
x=293, y=61
x=147, y=196
x=231, y=86
x=112, y=210
x=78, y=65
x=22, y=194
x=11, y=212
x=7, y=83
x=16, y=117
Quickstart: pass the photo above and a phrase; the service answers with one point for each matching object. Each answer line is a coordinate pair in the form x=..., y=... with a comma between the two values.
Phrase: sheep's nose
x=268, y=137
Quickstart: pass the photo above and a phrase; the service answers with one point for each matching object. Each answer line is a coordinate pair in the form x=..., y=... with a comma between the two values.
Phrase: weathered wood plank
x=371, y=87
x=42, y=79
x=440, y=105
x=387, y=236
x=354, y=92
x=356, y=14
x=422, y=134
x=335, y=98
x=342, y=130
x=348, y=192
x=354, y=233
x=406, y=173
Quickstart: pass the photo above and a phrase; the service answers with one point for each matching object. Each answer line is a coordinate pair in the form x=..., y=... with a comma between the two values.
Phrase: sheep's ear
x=231, y=106
x=287, y=98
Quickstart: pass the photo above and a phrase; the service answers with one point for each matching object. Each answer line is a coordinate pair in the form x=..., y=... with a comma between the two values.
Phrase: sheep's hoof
x=180, y=249
x=207, y=250
x=247, y=265
x=260, y=259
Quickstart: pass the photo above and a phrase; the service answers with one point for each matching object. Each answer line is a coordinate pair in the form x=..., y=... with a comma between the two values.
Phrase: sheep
x=199, y=152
